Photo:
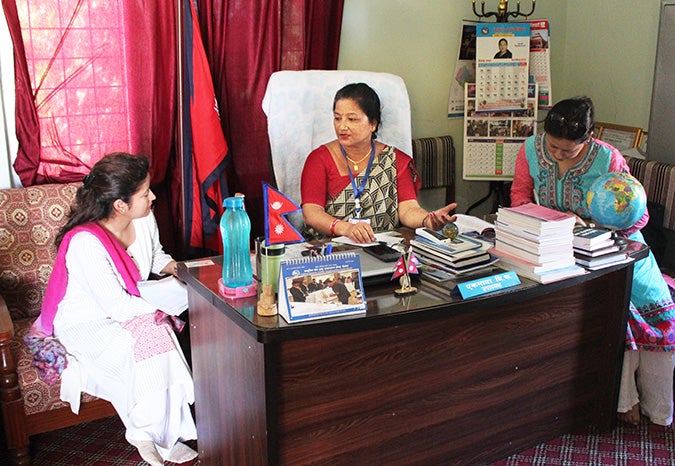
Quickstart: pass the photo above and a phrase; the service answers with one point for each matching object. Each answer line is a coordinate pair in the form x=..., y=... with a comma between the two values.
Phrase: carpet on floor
x=96, y=443
x=102, y=443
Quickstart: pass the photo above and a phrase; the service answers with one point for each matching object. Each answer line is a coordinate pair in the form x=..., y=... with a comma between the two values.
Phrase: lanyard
x=359, y=190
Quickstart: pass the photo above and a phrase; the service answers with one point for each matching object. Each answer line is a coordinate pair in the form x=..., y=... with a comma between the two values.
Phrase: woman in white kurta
x=116, y=350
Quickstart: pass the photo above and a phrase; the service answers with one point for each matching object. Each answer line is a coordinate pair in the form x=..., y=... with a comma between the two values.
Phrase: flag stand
x=405, y=265
x=267, y=304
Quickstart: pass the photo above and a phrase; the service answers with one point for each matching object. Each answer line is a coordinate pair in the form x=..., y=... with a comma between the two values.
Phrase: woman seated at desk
x=355, y=185
x=558, y=167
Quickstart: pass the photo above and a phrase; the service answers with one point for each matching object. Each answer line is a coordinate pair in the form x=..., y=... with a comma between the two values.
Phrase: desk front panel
x=438, y=382
x=468, y=388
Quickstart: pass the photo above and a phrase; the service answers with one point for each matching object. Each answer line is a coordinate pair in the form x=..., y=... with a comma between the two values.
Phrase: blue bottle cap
x=233, y=202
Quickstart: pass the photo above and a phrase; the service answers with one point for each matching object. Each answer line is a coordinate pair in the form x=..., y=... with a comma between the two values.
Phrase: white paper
x=390, y=238
x=168, y=294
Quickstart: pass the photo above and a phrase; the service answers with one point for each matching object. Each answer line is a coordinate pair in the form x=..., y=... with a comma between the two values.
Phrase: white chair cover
x=299, y=109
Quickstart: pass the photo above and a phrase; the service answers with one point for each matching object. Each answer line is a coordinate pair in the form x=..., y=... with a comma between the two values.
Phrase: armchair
x=30, y=218
x=298, y=106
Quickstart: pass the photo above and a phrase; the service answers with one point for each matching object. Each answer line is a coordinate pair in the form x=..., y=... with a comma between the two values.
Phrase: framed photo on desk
x=619, y=136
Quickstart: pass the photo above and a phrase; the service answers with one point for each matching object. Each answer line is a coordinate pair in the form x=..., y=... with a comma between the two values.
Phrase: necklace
x=355, y=163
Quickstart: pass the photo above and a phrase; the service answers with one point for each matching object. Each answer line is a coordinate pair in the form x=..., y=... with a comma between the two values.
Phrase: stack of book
x=595, y=248
x=457, y=256
x=536, y=242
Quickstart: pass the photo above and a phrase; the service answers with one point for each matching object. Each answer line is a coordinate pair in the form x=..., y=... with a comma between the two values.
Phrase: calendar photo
x=502, y=66
x=492, y=139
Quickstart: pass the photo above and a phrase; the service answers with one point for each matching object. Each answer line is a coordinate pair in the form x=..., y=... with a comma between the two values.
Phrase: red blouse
x=321, y=180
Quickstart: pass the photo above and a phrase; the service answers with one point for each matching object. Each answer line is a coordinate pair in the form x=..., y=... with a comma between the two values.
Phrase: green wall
x=601, y=48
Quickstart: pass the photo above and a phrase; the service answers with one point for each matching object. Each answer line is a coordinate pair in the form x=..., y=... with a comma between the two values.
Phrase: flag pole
x=180, y=52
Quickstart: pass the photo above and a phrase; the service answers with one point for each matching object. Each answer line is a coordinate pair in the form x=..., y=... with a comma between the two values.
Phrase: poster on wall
x=492, y=139
x=540, y=60
x=502, y=66
x=465, y=69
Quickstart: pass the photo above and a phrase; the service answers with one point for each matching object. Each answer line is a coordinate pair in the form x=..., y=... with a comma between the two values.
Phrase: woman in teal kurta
x=557, y=169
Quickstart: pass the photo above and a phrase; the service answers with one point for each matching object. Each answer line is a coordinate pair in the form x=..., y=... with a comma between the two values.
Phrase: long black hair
x=572, y=119
x=116, y=176
x=367, y=100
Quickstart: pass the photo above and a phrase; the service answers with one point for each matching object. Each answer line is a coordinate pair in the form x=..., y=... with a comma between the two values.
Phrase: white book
x=541, y=238
x=536, y=218
x=543, y=277
x=451, y=246
x=534, y=258
x=469, y=223
x=533, y=267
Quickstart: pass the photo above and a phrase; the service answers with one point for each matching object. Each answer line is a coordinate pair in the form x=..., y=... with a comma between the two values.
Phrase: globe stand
x=619, y=241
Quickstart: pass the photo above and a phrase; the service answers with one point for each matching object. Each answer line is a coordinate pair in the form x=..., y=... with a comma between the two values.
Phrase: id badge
x=357, y=220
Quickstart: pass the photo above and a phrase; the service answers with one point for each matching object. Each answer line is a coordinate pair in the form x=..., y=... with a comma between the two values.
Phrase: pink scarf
x=58, y=281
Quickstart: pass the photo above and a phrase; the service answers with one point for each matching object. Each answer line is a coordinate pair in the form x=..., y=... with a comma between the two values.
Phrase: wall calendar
x=492, y=139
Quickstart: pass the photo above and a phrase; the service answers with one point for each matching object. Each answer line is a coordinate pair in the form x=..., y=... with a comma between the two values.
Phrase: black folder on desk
x=373, y=270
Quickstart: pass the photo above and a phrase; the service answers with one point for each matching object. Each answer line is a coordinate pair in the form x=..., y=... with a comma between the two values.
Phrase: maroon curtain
x=246, y=41
x=27, y=126
x=151, y=27
x=82, y=138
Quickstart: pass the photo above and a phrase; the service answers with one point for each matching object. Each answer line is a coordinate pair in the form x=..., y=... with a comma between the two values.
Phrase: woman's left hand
x=171, y=268
x=440, y=217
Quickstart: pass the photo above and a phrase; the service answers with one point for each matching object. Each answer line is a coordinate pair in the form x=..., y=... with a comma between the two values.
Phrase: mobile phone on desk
x=383, y=252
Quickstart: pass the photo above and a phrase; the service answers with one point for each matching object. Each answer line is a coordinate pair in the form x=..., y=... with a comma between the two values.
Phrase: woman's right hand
x=360, y=232
x=578, y=221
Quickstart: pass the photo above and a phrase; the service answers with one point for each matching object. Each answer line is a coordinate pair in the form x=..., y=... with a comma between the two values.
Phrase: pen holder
x=268, y=262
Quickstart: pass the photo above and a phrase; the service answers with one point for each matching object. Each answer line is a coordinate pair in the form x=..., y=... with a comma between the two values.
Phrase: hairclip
x=88, y=179
x=572, y=125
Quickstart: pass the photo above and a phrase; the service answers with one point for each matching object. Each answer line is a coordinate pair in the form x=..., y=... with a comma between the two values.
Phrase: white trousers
x=647, y=379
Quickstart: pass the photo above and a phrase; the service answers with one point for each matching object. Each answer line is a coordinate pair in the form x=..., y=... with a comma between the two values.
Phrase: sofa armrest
x=435, y=161
x=6, y=324
x=658, y=179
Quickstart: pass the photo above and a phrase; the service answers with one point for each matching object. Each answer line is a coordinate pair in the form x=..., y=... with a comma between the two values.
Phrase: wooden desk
x=425, y=379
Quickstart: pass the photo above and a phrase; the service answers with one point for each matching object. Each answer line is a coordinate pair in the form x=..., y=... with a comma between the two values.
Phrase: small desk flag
x=405, y=264
x=277, y=228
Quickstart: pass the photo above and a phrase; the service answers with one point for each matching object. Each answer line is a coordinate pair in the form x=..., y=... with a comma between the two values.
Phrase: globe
x=616, y=200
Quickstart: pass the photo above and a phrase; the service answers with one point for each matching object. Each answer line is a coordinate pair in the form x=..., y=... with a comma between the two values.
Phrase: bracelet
x=431, y=215
x=332, y=226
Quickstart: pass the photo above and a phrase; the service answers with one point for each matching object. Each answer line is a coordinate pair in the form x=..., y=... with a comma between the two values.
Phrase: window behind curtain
x=75, y=50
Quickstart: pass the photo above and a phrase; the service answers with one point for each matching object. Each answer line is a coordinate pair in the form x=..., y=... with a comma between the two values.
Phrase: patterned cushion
x=30, y=218
x=37, y=395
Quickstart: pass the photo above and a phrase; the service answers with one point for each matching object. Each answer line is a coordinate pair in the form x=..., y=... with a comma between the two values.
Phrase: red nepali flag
x=406, y=263
x=277, y=227
x=205, y=149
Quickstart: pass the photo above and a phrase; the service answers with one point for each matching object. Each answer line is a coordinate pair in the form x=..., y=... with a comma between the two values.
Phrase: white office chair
x=299, y=109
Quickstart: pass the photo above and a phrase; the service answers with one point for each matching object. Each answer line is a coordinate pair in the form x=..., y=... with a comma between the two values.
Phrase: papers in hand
x=168, y=294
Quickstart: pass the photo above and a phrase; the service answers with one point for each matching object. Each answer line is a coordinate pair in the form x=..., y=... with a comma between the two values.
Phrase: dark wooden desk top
x=384, y=308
